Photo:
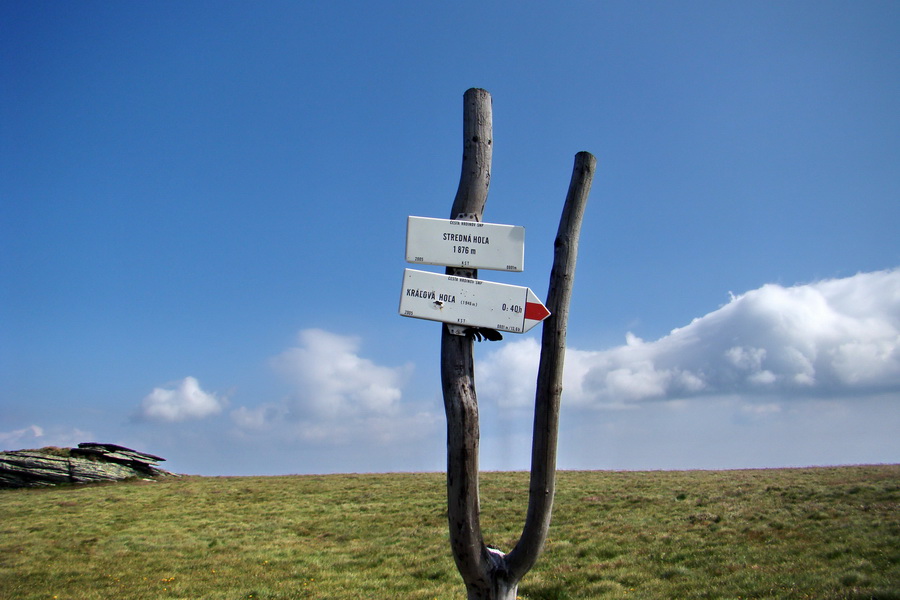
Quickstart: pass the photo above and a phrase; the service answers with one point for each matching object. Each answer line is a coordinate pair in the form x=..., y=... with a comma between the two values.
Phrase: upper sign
x=470, y=302
x=465, y=244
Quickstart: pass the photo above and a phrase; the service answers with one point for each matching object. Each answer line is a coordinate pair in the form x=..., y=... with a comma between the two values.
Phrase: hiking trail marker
x=459, y=301
x=470, y=302
x=469, y=244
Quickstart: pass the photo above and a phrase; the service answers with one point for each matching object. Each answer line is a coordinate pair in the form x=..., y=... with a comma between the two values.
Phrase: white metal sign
x=469, y=302
x=468, y=244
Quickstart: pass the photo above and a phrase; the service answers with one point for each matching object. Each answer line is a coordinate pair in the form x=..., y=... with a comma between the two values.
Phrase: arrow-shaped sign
x=469, y=302
x=469, y=244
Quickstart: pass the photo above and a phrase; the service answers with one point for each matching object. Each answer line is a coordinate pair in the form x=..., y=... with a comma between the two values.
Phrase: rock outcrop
x=87, y=463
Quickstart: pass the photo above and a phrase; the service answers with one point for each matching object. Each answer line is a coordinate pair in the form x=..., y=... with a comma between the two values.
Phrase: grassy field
x=795, y=533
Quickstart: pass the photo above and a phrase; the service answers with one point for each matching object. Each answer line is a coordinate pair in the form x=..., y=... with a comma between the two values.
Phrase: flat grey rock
x=89, y=463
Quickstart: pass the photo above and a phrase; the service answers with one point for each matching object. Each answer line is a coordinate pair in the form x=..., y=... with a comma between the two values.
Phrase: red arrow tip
x=534, y=311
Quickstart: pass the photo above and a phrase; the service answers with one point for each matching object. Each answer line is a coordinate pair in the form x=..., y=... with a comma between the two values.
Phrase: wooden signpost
x=488, y=573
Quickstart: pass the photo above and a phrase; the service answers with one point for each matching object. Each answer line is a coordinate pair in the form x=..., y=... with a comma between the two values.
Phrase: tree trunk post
x=488, y=573
x=457, y=363
x=550, y=371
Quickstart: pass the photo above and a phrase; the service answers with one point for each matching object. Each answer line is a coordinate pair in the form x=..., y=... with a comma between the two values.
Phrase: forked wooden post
x=490, y=574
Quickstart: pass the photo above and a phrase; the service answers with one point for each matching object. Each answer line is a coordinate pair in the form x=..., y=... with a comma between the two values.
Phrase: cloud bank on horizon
x=836, y=340
x=832, y=338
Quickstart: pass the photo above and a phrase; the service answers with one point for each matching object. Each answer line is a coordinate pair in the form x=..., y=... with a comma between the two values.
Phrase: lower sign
x=469, y=302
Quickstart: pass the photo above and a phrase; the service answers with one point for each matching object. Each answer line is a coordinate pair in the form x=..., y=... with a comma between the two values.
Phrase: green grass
x=794, y=533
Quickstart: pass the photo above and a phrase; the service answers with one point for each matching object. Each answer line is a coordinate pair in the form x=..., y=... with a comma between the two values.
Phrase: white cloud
x=332, y=380
x=36, y=436
x=508, y=375
x=336, y=396
x=839, y=337
x=181, y=401
x=9, y=439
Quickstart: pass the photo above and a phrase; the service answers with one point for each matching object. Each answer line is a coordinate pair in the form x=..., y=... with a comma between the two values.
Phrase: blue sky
x=203, y=210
